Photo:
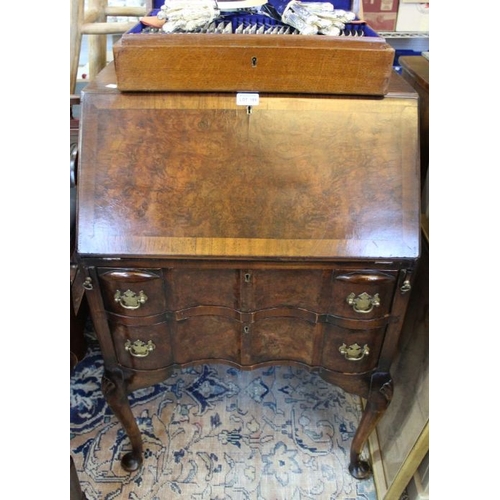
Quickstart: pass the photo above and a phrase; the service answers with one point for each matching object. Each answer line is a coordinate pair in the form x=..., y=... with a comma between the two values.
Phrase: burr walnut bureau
x=280, y=232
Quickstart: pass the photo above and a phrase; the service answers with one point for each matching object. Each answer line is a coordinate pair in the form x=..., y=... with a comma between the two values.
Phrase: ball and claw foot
x=360, y=469
x=131, y=462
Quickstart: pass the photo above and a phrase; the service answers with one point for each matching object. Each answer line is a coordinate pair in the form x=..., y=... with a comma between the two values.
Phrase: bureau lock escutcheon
x=364, y=302
x=130, y=299
x=139, y=349
x=354, y=352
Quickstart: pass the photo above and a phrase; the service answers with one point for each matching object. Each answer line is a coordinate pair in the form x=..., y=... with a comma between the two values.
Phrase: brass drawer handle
x=354, y=352
x=87, y=284
x=406, y=286
x=139, y=349
x=363, y=303
x=130, y=300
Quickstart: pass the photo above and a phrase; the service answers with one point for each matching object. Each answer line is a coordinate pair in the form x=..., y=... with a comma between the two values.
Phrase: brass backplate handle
x=130, y=300
x=354, y=352
x=139, y=349
x=364, y=302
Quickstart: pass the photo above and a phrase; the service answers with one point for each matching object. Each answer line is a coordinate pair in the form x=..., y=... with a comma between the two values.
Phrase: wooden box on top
x=357, y=63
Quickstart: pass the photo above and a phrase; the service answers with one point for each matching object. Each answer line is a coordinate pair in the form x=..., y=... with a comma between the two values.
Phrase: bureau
x=282, y=232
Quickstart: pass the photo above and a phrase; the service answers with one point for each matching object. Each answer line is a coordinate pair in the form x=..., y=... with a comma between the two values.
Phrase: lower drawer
x=272, y=339
x=280, y=339
x=351, y=351
x=207, y=338
x=143, y=347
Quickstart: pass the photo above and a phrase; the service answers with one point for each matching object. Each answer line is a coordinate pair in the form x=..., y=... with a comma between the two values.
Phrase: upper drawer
x=363, y=294
x=296, y=288
x=132, y=292
x=202, y=287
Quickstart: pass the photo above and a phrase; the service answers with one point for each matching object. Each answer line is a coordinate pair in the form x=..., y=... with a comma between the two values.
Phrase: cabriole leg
x=114, y=388
x=378, y=400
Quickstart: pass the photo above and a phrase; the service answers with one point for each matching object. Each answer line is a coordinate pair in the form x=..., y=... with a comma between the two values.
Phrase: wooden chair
x=91, y=19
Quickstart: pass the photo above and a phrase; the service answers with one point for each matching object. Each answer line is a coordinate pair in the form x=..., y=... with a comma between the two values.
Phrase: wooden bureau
x=285, y=232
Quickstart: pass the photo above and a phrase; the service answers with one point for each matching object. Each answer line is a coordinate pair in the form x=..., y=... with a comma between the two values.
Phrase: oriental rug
x=212, y=432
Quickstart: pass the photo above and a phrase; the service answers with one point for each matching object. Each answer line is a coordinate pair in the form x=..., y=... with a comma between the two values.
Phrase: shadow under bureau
x=284, y=232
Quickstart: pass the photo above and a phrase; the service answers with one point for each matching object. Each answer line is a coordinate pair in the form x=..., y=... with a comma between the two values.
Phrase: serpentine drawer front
x=213, y=233
x=160, y=317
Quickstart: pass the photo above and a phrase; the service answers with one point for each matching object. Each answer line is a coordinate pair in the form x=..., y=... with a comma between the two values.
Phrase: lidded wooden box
x=358, y=64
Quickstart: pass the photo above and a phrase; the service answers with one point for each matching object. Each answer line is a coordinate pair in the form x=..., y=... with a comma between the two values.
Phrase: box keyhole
x=254, y=62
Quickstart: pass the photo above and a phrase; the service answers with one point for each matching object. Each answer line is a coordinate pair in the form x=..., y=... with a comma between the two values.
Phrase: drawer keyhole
x=254, y=62
x=247, y=277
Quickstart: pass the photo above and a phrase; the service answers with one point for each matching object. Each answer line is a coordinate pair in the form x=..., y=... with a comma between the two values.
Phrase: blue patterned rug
x=216, y=433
